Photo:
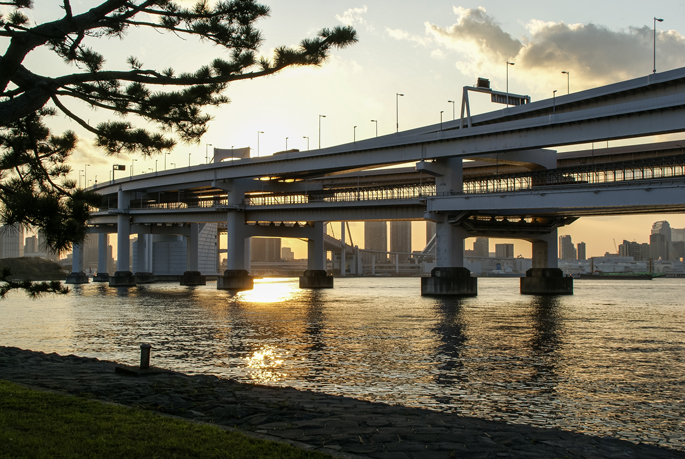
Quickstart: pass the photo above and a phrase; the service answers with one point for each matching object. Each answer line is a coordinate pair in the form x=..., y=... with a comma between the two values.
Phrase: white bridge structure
x=499, y=175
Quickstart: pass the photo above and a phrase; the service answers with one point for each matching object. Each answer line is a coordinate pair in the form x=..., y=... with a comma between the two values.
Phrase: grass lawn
x=43, y=424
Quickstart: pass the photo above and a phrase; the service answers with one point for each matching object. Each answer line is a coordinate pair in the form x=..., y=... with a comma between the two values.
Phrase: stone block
x=101, y=277
x=193, y=278
x=145, y=278
x=122, y=279
x=77, y=278
x=546, y=281
x=235, y=279
x=455, y=281
x=314, y=278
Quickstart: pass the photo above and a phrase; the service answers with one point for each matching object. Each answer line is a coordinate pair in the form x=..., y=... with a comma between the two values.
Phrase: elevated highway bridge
x=502, y=167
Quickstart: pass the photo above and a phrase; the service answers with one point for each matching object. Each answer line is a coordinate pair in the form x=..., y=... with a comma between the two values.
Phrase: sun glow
x=265, y=363
x=271, y=290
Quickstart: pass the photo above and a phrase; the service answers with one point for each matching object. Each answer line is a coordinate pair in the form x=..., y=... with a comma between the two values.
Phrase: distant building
x=376, y=238
x=664, y=228
x=481, y=247
x=566, y=249
x=658, y=246
x=504, y=250
x=582, y=255
x=30, y=246
x=677, y=234
x=265, y=249
x=287, y=254
x=400, y=239
x=11, y=241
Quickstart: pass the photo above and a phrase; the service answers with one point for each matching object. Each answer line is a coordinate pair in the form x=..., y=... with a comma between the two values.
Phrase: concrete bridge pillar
x=123, y=277
x=316, y=276
x=102, y=274
x=343, y=261
x=236, y=277
x=193, y=276
x=449, y=277
x=142, y=269
x=545, y=277
x=77, y=276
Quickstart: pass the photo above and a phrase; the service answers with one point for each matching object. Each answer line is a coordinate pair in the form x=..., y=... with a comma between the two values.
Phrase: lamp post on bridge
x=258, y=132
x=554, y=102
x=165, y=155
x=189, y=159
x=354, y=135
x=320, y=116
x=441, y=112
x=376, y=123
x=655, y=21
x=207, y=145
x=286, y=144
x=568, y=81
x=397, y=110
x=508, y=64
x=305, y=137
x=132, y=161
x=454, y=112
x=85, y=175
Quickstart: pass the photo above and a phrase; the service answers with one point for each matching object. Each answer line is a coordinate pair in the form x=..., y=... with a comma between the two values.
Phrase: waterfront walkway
x=338, y=425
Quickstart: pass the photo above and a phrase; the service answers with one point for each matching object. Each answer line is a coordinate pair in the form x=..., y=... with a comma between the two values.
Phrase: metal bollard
x=145, y=356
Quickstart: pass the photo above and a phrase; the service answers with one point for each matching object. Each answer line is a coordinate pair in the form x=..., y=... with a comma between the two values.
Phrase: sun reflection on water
x=265, y=363
x=271, y=290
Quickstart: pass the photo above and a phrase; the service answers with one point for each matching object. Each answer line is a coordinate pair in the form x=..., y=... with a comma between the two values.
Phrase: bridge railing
x=568, y=177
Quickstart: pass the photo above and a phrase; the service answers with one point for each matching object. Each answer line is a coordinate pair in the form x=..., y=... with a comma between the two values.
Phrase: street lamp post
x=454, y=112
x=376, y=122
x=79, y=177
x=397, y=109
x=207, y=145
x=441, y=112
x=132, y=161
x=258, y=132
x=354, y=134
x=286, y=144
x=156, y=160
x=173, y=165
x=568, y=81
x=508, y=64
x=85, y=175
x=305, y=137
x=165, y=155
x=554, y=102
x=320, y=116
x=189, y=158
x=655, y=21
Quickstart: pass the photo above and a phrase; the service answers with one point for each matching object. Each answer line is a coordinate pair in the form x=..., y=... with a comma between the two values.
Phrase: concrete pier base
x=546, y=281
x=193, y=278
x=449, y=282
x=145, y=278
x=122, y=279
x=316, y=278
x=101, y=277
x=77, y=278
x=235, y=279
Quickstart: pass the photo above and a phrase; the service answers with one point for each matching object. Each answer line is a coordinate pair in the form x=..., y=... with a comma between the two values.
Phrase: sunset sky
x=426, y=50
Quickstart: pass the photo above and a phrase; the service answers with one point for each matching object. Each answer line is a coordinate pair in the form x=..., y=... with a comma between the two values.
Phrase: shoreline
x=314, y=421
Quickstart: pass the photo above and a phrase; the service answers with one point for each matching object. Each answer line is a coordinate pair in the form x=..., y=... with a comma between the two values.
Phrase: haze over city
x=427, y=52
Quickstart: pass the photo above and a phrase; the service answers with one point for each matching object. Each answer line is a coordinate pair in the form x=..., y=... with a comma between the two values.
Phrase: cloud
x=401, y=35
x=594, y=54
x=354, y=16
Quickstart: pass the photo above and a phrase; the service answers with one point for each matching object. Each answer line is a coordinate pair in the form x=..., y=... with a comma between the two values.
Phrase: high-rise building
x=287, y=254
x=582, y=255
x=662, y=227
x=658, y=246
x=30, y=246
x=267, y=249
x=677, y=234
x=400, y=239
x=376, y=238
x=504, y=250
x=566, y=249
x=11, y=241
x=481, y=247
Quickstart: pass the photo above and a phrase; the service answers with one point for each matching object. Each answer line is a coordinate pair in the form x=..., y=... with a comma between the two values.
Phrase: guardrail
x=589, y=175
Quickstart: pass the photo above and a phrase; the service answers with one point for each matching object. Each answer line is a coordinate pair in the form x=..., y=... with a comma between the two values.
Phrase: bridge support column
x=123, y=277
x=142, y=273
x=193, y=276
x=77, y=276
x=102, y=274
x=316, y=276
x=545, y=278
x=343, y=258
x=449, y=277
x=236, y=277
